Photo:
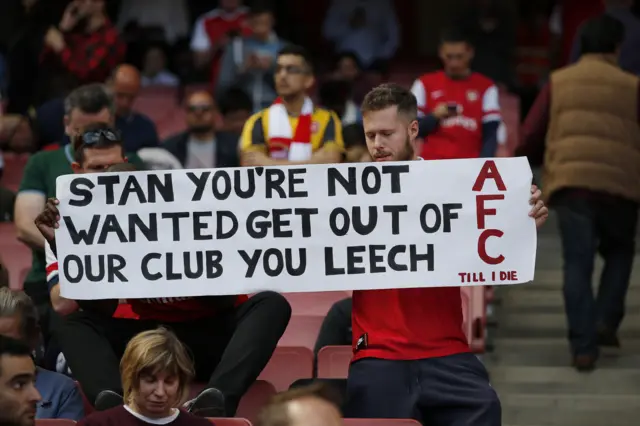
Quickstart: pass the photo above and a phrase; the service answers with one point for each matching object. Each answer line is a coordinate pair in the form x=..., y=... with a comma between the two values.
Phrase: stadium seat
x=258, y=395
x=381, y=422
x=474, y=311
x=302, y=331
x=15, y=255
x=333, y=362
x=157, y=108
x=55, y=422
x=13, y=168
x=315, y=303
x=287, y=365
x=88, y=406
x=230, y=422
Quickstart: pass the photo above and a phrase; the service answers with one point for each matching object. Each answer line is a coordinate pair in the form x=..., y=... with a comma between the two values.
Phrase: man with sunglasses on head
x=292, y=130
x=202, y=145
x=232, y=338
x=86, y=104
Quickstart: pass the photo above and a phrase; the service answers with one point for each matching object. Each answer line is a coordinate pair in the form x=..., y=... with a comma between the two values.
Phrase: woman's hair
x=152, y=352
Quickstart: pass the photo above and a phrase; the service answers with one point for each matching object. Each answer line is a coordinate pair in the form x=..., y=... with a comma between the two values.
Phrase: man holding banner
x=231, y=337
x=443, y=384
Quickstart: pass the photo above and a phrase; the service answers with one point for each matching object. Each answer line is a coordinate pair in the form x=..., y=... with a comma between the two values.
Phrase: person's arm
x=534, y=128
x=70, y=406
x=491, y=120
x=392, y=32
x=149, y=137
x=61, y=305
x=105, y=56
x=30, y=201
x=336, y=22
x=427, y=120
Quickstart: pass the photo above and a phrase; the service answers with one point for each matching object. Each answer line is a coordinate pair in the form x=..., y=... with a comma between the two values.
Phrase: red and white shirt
x=211, y=27
x=477, y=99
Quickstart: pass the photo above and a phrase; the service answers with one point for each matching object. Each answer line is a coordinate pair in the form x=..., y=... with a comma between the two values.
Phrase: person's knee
x=276, y=305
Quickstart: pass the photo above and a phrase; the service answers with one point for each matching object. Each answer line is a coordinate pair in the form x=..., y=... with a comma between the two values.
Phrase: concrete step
x=550, y=301
x=557, y=355
x=501, y=343
x=555, y=322
x=570, y=410
x=564, y=380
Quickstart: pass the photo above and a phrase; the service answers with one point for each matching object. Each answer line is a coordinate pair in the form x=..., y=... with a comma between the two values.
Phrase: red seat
x=287, y=365
x=230, y=422
x=333, y=362
x=157, y=108
x=258, y=395
x=55, y=422
x=474, y=309
x=381, y=422
x=15, y=255
x=317, y=303
x=302, y=331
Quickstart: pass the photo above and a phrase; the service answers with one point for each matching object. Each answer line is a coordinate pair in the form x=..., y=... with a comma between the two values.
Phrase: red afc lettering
x=489, y=171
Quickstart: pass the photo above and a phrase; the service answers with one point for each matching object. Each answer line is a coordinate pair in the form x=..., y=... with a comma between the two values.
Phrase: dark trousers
x=593, y=223
x=230, y=350
x=447, y=391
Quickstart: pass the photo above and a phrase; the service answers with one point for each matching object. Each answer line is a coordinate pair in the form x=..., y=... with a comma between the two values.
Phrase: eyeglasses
x=291, y=69
x=200, y=108
x=92, y=137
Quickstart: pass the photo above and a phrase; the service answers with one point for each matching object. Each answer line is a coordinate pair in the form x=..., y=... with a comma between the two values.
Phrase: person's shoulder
x=116, y=415
x=255, y=118
x=324, y=114
x=432, y=76
x=143, y=119
x=59, y=381
x=188, y=419
x=175, y=139
x=481, y=80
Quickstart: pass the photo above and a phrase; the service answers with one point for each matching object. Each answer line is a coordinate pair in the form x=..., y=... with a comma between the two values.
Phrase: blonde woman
x=155, y=371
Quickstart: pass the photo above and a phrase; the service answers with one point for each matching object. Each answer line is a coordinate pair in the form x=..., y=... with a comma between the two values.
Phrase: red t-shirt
x=408, y=324
x=477, y=99
x=211, y=27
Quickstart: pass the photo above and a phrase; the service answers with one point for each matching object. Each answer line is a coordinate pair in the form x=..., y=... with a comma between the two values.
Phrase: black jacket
x=226, y=148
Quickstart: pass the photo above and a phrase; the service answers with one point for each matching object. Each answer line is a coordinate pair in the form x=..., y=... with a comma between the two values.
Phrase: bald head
x=313, y=411
x=200, y=97
x=125, y=83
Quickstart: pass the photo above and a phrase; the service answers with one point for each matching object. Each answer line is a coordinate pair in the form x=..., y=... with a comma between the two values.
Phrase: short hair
x=349, y=55
x=152, y=352
x=79, y=146
x=122, y=167
x=603, y=35
x=295, y=50
x=13, y=347
x=276, y=414
x=454, y=35
x=389, y=95
x=261, y=7
x=12, y=303
x=90, y=99
x=235, y=99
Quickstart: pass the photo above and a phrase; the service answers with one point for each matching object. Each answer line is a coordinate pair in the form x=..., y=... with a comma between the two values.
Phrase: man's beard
x=407, y=152
x=200, y=129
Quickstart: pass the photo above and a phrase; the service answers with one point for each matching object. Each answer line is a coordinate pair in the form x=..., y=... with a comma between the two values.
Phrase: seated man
x=18, y=395
x=232, y=338
x=61, y=397
x=156, y=372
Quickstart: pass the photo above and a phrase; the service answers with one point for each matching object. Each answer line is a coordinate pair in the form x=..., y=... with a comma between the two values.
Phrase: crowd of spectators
x=67, y=65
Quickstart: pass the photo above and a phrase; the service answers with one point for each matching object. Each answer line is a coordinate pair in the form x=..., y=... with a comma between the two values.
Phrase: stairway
x=530, y=364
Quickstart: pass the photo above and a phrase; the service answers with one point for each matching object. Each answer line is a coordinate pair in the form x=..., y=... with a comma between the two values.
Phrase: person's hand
x=70, y=17
x=252, y=62
x=54, y=39
x=539, y=211
x=442, y=111
x=250, y=159
x=47, y=221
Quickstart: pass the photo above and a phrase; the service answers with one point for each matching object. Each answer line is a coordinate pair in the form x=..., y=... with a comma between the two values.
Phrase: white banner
x=295, y=229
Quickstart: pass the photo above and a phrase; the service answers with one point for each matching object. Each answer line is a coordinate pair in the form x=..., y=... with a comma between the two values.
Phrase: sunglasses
x=92, y=137
x=200, y=108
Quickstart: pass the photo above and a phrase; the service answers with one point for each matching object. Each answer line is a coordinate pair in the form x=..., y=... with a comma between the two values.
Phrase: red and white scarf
x=283, y=142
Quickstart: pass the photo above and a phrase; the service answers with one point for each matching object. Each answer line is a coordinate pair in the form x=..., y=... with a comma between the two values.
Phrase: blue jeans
x=446, y=391
x=593, y=223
